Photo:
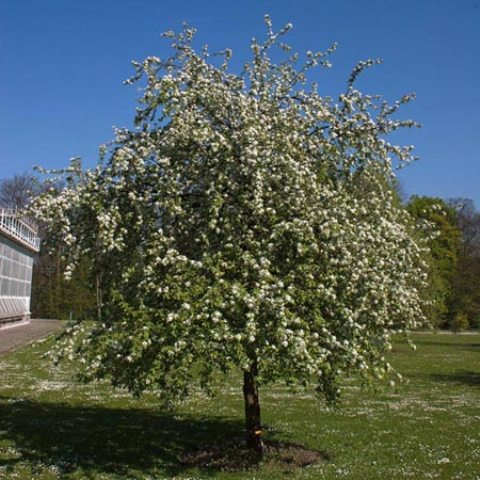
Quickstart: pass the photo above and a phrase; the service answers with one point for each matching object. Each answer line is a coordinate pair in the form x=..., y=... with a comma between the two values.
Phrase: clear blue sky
x=62, y=65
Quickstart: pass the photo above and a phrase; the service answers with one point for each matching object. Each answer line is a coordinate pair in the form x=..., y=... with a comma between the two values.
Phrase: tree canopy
x=246, y=221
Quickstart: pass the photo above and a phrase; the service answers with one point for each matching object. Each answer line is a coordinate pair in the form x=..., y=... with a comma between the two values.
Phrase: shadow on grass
x=97, y=440
x=462, y=377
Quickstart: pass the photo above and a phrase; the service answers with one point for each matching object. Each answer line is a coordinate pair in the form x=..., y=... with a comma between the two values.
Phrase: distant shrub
x=475, y=323
x=460, y=322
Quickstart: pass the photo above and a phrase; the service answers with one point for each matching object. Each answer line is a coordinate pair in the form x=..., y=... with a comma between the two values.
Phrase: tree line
x=454, y=261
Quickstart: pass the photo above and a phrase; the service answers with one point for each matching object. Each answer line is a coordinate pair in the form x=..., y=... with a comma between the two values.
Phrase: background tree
x=16, y=192
x=465, y=300
x=54, y=296
x=442, y=256
x=247, y=221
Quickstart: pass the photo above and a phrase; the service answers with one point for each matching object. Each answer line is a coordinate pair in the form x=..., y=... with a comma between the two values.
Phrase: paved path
x=14, y=337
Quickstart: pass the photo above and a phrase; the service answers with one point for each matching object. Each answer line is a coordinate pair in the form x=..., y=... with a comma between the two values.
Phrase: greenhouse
x=18, y=244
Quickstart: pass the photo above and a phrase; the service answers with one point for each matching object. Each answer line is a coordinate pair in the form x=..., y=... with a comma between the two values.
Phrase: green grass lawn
x=428, y=427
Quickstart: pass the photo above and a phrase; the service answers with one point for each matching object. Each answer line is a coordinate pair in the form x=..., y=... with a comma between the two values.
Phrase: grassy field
x=426, y=428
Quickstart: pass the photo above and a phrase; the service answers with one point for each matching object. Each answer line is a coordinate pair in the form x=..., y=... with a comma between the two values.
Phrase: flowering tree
x=247, y=221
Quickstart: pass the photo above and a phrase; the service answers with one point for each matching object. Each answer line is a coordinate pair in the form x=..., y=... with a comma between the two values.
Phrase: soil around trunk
x=236, y=456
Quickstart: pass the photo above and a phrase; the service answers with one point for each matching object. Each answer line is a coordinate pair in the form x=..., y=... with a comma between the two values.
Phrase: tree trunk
x=99, y=297
x=252, y=411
